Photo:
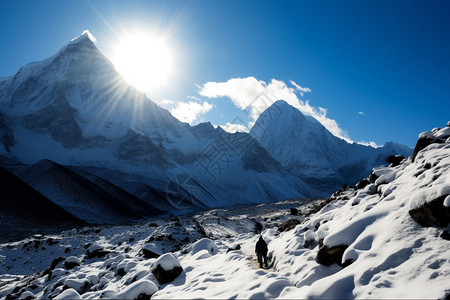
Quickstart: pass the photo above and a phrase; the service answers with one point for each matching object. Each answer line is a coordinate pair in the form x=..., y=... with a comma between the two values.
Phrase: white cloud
x=166, y=102
x=256, y=95
x=194, y=98
x=190, y=111
x=361, y=113
x=300, y=89
x=371, y=143
x=232, y=128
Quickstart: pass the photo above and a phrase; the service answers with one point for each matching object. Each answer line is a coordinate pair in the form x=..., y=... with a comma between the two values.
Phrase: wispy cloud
x=190, y=111
x=194, y=98
x=300, y=89
x=361, y=113
x=244, y=91
x=233, y=127
x=371, y=143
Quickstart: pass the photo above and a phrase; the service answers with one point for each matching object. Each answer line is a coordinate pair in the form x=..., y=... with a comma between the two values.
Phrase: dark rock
x=83, y=289
x=166, y=276
x=431, y=213
x=422, y=143
x=70, y=265
x=149, y=253
x=36, y=244
x=153, y=225
x=445, y=235
x=362, y=184
x=373, y=177
x=288, y=225
x=56, y=261
x=51, y=241
x=328, y=256
x=394, y=160
x=87, y=245
x=131, y=239
x=238, y=247
x=294, y=211
x=347, y=263
x=96, y=252
x=67, y=250
x=121, y=272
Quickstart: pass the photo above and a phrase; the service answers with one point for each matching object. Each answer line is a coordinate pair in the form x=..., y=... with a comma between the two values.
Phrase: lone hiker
x=261, y=251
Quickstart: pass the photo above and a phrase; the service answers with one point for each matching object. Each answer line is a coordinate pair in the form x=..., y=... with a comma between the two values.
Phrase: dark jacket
x=261, y=246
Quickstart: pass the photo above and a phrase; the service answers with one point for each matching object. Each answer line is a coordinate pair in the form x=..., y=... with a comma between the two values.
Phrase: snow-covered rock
x=166, y=268
x=141, y=289
x=69, y=294
x=71, y=262
x=204, y=244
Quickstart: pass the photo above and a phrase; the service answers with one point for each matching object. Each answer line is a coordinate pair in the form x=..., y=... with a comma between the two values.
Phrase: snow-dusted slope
x=309, y=150
x=360, y=243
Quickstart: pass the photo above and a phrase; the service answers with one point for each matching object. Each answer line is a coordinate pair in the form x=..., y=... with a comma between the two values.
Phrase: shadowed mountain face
x=130, y=158
x=24, y=210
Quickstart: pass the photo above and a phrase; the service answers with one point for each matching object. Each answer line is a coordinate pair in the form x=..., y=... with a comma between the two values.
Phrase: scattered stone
x=394, y=160
x=36, y=244
x=151, y=251
x=71, y=262
x=431, y=213
x=294, y=211
x=424, y=140
x=373, y=177
x=121, y=272
x=238, y=247
x=96, y=251
x=56, y=261
x=328, y=256
x=362, y=184
x=167, y=268
x=445, y=235
x=288, y=225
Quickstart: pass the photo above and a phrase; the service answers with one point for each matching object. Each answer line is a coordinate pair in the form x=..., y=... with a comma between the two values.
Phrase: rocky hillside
x=386, y=237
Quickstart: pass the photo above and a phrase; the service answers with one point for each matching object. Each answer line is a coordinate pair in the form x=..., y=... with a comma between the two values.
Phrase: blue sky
x=380, y=69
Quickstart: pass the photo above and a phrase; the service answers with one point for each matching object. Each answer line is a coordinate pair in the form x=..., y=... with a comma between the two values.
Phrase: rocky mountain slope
x=385, y=238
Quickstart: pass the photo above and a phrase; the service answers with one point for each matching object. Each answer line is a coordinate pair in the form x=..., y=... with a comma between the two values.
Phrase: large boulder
x=437, y=135
x=333, y=255
x=166, y=268
x=151, y=251
x=205, y=244
x=288, y=225
x=142, y=289
x=432, y=213
x=394, y=160
x=96, y=251
x=71, y=262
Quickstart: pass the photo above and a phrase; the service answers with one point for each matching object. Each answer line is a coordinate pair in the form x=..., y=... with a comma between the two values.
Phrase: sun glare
x=145, y=61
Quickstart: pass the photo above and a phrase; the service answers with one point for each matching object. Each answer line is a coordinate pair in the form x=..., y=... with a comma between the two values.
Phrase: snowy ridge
x=306, y=148
x=363, y=242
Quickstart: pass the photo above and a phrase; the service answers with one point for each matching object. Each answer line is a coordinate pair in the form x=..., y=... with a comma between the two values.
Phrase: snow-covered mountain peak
x=85, y=35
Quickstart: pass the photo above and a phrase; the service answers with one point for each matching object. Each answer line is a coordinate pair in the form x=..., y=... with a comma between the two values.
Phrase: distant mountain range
x=72, y=129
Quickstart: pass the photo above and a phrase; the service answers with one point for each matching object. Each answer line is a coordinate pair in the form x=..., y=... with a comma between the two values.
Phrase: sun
x=146, y=61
